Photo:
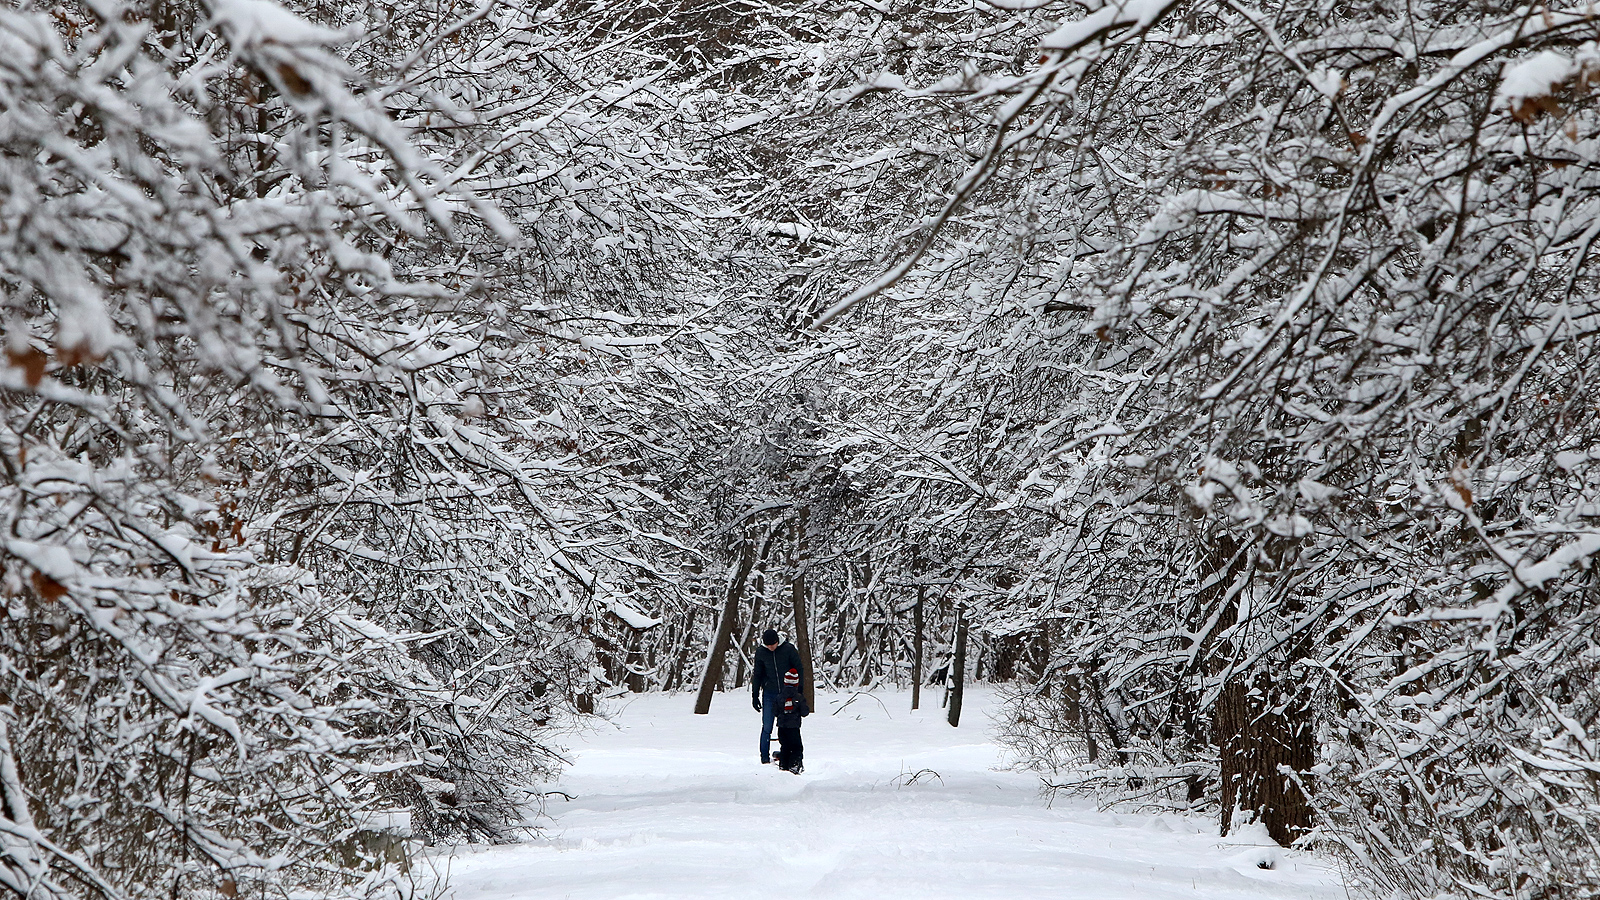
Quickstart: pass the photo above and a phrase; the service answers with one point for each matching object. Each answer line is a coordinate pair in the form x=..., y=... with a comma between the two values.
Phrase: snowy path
x=667, y=804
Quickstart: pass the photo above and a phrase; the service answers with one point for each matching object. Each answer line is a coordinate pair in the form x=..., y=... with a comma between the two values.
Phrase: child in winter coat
x=791, y=707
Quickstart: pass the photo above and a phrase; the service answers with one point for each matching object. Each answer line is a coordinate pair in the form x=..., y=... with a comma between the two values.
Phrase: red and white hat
x=791, y=677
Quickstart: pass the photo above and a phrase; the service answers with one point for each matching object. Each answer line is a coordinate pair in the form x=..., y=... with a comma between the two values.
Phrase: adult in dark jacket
x=772, y=660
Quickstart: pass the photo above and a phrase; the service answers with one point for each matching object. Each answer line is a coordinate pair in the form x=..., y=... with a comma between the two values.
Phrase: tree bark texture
x=1259, y=729
x=958, y=668
x=797, y=598
x=719, y=644
x=802, y=637
x=916, y=648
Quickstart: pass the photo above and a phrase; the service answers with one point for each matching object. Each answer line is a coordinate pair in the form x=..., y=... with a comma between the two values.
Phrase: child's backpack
x=791, y=703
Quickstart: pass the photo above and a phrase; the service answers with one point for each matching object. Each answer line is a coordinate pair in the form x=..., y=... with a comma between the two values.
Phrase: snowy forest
x=385, y=386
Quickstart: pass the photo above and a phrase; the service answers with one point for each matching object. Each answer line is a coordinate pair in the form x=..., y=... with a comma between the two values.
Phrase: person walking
x=773, y=660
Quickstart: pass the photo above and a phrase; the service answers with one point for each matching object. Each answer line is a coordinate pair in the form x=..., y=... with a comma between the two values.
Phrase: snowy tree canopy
x=383, y=388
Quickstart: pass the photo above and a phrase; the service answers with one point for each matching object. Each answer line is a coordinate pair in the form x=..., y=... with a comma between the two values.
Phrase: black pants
x=791, y=751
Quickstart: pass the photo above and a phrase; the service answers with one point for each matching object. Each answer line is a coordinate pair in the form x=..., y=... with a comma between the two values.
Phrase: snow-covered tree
x=1304, y=292
x=309, y=524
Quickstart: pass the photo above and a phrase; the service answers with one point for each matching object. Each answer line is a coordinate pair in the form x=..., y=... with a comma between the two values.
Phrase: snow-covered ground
x=669, y=804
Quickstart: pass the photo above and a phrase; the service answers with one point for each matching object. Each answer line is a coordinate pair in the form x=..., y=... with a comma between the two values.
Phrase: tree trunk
x=1111, y=715
x=1076, y=711
x=1007, y=650
x=797, y=596
x=958, y=667
x=633, y=663
x=719, y=644
x=675, y=678
x=916, y=647
x=757, y=594
x=1042, y=651
x=1260, y=729
x=863, y=620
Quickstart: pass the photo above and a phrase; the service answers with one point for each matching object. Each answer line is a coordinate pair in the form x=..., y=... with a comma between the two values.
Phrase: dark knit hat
x=769, y=637
x=791, y=677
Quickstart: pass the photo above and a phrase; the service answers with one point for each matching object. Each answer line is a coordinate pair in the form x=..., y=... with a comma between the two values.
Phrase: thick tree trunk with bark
x=719, y=644
x=1261, y=731
x=797, y=597
x=1257, y=724
x=958, y=668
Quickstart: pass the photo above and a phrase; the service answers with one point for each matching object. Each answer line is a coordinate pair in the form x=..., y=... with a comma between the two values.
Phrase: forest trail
x=671, y=805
